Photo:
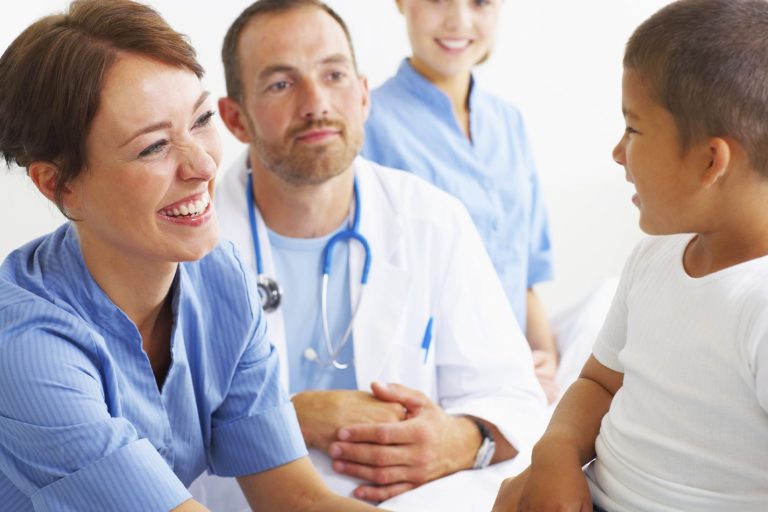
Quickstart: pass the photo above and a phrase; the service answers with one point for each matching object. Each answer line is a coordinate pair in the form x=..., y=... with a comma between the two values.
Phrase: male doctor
x=431, y=318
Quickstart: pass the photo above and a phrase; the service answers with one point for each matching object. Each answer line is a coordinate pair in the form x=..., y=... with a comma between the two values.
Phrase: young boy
x=672, y=405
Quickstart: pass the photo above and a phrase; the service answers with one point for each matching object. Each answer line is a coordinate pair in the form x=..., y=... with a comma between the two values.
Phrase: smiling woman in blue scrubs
x=433, y=120
x=132, y=347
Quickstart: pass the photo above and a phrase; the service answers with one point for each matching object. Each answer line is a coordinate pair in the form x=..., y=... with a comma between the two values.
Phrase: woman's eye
x=204, y=119
x=153, y=149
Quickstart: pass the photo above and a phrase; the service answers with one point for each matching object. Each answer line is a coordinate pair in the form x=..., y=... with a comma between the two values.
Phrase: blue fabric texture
x=412, y=127
x=83, y=425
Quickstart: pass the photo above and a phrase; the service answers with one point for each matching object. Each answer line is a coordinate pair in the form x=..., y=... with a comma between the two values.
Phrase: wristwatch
x=487, y=447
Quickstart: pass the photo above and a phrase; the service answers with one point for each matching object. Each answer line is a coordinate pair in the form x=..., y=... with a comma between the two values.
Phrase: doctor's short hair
x=229, y=50
x=52, y=75
x=706, y=62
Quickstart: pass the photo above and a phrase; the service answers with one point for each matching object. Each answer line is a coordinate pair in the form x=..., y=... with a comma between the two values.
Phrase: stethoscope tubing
x=272, y=288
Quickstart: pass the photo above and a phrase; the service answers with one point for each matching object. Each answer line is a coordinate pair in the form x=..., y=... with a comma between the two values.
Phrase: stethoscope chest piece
x=270, y=293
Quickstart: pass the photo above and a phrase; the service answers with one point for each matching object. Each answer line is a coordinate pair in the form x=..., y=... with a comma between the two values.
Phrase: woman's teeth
x=188, y=209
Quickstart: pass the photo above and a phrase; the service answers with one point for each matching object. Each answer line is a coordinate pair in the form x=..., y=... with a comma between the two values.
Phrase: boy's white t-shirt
x=688, y=430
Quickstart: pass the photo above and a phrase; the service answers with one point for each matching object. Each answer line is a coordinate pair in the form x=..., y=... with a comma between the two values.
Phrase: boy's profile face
x=666, y=180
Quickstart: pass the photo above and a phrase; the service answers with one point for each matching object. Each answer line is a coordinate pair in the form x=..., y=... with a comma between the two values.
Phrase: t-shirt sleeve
x=255, y=428
x=613, y=335
x=59, y=443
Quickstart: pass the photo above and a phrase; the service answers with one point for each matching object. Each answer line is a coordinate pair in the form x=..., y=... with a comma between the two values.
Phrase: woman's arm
x=295, y=487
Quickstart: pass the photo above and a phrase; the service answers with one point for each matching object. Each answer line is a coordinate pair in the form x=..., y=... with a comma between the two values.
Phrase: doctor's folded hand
x=405, y=441
x=322, y=413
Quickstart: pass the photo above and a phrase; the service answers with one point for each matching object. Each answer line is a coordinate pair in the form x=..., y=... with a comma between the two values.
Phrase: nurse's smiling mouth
x=195, y=209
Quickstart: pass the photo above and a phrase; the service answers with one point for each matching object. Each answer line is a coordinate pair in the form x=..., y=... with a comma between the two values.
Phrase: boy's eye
x=629, y=130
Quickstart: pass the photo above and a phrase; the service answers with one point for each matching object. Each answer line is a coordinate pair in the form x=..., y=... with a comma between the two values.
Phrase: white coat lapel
x=235, y=226
x=379, y=320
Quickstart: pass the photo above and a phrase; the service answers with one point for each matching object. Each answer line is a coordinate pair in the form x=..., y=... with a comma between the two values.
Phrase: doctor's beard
x=300, y=164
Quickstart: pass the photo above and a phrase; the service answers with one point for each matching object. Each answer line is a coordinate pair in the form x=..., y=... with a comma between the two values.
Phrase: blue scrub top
x=83, y=425
x=412, y=127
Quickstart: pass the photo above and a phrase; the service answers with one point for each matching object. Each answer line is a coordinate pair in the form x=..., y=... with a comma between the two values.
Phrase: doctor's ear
x=234, y=119
x=366, y=93
x=720, y=154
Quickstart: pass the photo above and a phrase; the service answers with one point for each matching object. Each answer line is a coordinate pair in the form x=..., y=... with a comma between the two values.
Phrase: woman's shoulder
x=220, y=275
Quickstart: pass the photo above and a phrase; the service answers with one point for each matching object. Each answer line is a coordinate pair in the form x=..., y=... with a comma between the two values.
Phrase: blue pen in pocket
x=427, y=341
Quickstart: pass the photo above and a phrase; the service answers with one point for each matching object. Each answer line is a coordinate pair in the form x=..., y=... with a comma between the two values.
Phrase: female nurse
x=132, y=347
x=432, y=119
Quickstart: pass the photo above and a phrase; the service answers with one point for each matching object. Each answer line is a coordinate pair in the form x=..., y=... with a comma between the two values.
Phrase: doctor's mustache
x=317, y=124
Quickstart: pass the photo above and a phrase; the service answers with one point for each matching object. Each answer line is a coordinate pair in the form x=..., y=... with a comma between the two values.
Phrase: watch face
x=485, y=453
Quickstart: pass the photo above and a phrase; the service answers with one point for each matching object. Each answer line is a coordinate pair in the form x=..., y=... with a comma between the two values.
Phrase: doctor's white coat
x=427, y=261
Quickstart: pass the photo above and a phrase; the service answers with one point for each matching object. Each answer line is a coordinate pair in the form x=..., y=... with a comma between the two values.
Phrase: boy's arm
x=554, y=480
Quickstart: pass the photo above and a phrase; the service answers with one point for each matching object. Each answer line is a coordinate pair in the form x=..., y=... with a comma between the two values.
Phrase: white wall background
x=559, y=61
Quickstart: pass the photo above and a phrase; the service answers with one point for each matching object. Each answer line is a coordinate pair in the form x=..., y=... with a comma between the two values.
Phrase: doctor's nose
x=315, y=102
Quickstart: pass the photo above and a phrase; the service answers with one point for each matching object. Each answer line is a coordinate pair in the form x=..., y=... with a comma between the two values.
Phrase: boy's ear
x=234, y=119
x=720, y=159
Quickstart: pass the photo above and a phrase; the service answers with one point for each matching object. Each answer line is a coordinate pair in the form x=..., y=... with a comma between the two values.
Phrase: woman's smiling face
x=152, y=154
x=449, y=37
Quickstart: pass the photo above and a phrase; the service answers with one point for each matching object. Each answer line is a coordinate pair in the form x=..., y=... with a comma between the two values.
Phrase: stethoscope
x=270, y=293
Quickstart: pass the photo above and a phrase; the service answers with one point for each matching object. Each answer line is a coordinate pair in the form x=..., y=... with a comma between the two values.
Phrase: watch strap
x=487, y=446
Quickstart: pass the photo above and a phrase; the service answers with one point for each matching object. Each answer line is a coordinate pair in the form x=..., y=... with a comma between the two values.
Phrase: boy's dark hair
x=706, y=62
x=229, y=50
x=52, y=74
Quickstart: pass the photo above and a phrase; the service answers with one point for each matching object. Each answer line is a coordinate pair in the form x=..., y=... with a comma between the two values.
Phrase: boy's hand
x=559, y=488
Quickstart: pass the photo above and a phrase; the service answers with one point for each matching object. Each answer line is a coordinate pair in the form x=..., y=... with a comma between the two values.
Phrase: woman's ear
x=720, y=158
x=44, y=175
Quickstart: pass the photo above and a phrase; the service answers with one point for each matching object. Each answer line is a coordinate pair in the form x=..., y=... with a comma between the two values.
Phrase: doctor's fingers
x=410, y=431
x=386, y=475
x=412, y=399
x=382, y=456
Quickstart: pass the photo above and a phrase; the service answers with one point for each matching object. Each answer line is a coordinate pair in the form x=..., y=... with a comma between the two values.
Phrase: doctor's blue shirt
x=83, y=425
x=412, y=127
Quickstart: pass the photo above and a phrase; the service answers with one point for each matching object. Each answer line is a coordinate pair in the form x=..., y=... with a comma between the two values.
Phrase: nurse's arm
x=190, y=506
x=539, y=334
x=295, y=487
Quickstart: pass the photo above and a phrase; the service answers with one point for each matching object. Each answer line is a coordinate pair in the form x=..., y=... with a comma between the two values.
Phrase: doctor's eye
x=154, y=149
x=279, y=86
x=629, y=130
x=482, y=3
x=337, y=76
x=204, y=119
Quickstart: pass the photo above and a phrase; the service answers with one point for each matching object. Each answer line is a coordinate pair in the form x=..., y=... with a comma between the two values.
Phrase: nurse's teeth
x=195, y=207
x=454, y=44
